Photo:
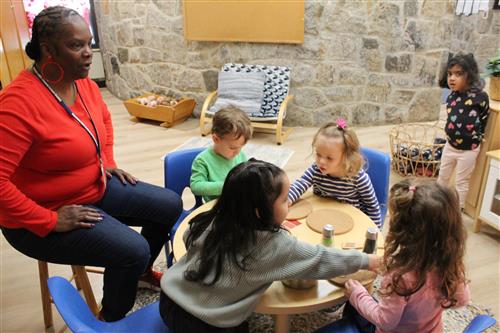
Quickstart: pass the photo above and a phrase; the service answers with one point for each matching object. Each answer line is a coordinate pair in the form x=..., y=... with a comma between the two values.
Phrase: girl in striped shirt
x=338, y=171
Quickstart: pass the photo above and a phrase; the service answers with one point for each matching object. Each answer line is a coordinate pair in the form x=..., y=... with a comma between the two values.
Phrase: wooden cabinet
x=14, y=35
x=489, y=200
x=491, y=142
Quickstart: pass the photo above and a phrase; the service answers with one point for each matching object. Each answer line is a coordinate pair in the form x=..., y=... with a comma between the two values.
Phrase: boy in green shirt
x=231, y=129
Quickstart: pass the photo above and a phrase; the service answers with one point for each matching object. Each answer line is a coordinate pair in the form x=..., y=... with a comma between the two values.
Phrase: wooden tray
x=363, y=276
x=168, y=115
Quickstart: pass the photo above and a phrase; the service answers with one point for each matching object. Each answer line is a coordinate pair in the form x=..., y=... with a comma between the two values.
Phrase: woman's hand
x=124, y=176
x=76, y=217
x=350, y=285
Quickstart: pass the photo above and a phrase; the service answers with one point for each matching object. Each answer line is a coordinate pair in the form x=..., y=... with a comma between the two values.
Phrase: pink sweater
x=421, y=312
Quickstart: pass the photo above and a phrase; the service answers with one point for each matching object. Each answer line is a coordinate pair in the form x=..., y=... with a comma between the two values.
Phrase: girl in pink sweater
x=422, y=266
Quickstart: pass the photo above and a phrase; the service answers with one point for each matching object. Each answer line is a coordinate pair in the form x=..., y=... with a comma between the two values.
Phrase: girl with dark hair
x=467, y=109
x=423, y=268
x=237, y=249
x=64, y=200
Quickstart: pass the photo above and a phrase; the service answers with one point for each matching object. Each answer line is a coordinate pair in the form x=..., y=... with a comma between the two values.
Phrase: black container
x=371, y=240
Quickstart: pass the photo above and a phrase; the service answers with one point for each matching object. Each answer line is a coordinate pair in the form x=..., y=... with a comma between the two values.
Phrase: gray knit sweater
x=235, y=295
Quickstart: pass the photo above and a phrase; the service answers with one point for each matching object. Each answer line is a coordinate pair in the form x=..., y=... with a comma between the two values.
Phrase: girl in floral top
x=468, y=110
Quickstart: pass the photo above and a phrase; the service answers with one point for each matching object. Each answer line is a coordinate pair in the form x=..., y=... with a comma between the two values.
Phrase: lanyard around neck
x=95, y=138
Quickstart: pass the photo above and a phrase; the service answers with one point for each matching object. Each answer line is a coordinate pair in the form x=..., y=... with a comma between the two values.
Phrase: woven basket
x=416, y=149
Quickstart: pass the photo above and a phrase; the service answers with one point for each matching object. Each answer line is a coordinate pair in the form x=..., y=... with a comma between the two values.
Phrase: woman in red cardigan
x=63, y=198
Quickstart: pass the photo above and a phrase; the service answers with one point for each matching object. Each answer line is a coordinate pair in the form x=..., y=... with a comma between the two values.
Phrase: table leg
x=281, y=323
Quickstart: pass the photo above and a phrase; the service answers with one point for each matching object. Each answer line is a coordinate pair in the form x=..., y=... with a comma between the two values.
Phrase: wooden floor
x=138, y=148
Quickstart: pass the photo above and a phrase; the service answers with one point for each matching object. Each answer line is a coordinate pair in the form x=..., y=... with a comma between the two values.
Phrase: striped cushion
x=244, y=90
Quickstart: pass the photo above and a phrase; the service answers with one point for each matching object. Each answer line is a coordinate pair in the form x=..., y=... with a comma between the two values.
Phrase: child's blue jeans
x=351, y=314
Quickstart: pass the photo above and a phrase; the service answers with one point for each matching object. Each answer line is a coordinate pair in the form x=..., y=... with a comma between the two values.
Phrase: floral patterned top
x=467, y=116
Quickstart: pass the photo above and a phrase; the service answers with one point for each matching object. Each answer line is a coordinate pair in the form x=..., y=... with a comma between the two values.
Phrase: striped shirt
x=357, y=191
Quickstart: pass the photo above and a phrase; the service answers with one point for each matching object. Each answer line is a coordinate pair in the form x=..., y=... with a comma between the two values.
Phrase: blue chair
x=177, y=173
x=79, y=318
x=477, y=325
x=378, y=169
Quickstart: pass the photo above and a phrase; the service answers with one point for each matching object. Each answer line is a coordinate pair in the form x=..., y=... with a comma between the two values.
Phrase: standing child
x=468, y=110
x=231, y=129
x=338, y=171
x=423, y=263
x=237, y=249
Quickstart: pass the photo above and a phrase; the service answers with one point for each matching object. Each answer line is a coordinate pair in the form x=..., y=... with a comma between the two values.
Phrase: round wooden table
x=282, y=301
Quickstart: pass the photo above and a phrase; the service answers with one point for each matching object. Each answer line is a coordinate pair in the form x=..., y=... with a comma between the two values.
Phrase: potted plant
x=493, y=71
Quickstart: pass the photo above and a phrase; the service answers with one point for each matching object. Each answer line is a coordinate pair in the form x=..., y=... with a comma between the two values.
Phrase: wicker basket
x=416, y=149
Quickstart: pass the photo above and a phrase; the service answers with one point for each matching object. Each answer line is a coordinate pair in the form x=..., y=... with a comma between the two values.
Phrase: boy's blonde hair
x=231, y=120
x=352, y=158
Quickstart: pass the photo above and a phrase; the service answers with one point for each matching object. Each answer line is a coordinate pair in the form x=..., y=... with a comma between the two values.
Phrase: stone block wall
x=369, y=61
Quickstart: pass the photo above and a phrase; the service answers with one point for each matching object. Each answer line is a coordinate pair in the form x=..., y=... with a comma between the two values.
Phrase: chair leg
x=282, y=132
x=43, y=272
x=279, y=134
x=75, y=277
x=82, y=279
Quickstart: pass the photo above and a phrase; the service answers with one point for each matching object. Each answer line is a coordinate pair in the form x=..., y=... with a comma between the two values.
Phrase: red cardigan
x=47, y=160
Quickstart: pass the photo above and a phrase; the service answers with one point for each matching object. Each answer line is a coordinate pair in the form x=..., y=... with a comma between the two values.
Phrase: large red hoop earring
x=50, y=61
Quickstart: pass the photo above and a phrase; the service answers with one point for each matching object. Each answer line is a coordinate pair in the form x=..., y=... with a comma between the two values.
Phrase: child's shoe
x=150, y=280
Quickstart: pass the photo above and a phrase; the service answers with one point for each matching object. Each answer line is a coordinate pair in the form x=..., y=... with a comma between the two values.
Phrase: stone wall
x=371, y=62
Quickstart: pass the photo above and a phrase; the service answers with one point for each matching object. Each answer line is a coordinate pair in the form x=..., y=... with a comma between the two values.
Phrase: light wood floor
x=138, y=148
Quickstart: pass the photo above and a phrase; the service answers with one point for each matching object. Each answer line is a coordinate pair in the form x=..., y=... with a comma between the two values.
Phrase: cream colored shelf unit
x=489, y=202
x=490, y=142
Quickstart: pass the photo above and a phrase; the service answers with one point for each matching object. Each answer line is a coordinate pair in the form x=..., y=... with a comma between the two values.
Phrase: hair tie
x=412, y=188
x=341, y=123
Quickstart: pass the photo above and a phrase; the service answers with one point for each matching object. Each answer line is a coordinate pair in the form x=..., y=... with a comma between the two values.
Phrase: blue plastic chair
x=477, y=325
x=177, y=173
x=79, y=318
x=378, y=168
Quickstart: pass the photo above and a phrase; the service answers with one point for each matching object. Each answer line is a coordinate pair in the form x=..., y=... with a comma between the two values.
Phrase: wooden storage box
x=168, y=115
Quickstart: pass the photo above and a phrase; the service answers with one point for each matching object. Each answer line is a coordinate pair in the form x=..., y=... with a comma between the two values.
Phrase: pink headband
x=341, y=123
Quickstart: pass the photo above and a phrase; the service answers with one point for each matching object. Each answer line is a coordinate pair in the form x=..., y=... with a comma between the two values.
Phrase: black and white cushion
x=244, y=90
x=276, y=86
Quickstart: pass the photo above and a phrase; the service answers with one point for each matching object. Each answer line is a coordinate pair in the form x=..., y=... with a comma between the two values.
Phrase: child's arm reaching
x=200, y=185
x=386, y=315
x=300, y=186
x=369, y=202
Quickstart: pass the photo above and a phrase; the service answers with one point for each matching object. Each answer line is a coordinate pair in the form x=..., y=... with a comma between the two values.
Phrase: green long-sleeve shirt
x=209, y=171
